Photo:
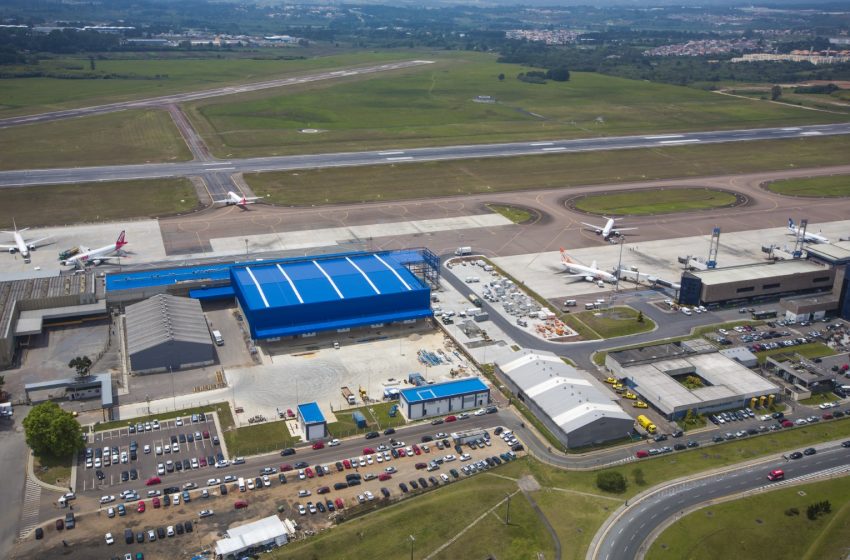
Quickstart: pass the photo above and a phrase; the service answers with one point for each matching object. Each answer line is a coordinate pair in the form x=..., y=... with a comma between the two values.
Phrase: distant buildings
x=704, y=47
x=548, y=36
x=814, y=57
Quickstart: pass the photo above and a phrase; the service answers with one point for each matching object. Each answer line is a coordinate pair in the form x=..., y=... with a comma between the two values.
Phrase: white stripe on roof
x=553, y=382
x=391, y=269
x=291, y=283
x=257, y=284
x=360, y=270
x=322, y=270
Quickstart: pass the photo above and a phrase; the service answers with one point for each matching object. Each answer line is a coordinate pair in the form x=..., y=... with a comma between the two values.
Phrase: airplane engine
x=97, y=262
x=590, y=278
x=598, y=232
x=12, y=250
x=31, y=247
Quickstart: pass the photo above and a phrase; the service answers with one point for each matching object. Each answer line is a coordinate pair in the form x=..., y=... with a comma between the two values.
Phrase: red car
x=346, y=463
x=319, y=445
x=286, y=467
x=827, y=416
x=642, y=453
x=153, y=480
x=202, y=461
x=289, y=413
x=777, y=474
x=401, y=452
x=416, y=450
x=421, y=466
x=368, y=451
x=385, y=476
x=206, y=434
x=239, y=504
x=338, y=503
x=787, y=424
x=309, y=472
x=451, y=418
x=141, y=508
x=156, y=503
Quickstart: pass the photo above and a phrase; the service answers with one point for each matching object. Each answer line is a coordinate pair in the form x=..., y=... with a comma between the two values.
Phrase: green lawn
x=745, y=528
x=436, y=105
x=117, y=138
x=810, y=350
x=432, y=179
x=831, y=186
x=259, y=438
x=654, y=201
x=377, y=419
x=105, y=202
x=613, y=322
x=53, y=470
x=225, y=417
x=820, y=398
x=163, y=73
x=513, y=213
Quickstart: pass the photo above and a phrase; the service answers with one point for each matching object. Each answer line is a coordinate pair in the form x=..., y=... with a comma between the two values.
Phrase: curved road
x=390, y=157
x=625, y=538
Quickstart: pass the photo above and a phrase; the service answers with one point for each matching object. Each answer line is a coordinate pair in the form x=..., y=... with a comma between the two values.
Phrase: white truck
x=460, y=251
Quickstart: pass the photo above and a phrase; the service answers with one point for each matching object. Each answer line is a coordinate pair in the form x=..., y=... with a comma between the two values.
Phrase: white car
x=303, y=493
x=250, y=483
x=301, y=509
x=159, y=450
x=449, y=458
x=206, y=513
x=369, y=495
x=480, y=412
x=391, y=470
x=462, y=416
x=222, y=464
x=230, y=478
x=175, y=447
x=109, y=539
x=213, y=482
x=107, y=499
x=465, y=457
x=147, y=449
x=301, y=474
x=156, y=424
x=110, y=512
x=170, y=531
x=333, y=443
x=444, y=476
x=160, y=469
x=266, y=480
x=179, y=422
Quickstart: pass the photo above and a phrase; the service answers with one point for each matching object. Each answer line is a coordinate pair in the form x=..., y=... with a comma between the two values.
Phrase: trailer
x=349, y=396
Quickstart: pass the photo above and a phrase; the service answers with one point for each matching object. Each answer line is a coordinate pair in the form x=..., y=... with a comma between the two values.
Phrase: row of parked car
x=153, y=534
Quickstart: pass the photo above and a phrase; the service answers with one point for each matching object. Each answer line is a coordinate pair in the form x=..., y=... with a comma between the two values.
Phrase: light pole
x=412, y=540
x=508, y=511
x=246, y=249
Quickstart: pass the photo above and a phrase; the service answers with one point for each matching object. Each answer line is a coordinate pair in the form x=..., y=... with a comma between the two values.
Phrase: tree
x=558, y=74
x=81, y=364
x=775, y=92
x=640, y=480
x=52, y=432
x=640, y=317
x=611, y=481
x=501, y=77
x=91, y=63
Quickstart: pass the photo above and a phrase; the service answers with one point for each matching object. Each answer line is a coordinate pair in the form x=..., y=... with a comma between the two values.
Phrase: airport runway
x=204, y=94
x=625, y=538
x=391, y=157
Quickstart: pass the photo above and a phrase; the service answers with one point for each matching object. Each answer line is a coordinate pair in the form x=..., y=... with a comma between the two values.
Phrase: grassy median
x=814, y=187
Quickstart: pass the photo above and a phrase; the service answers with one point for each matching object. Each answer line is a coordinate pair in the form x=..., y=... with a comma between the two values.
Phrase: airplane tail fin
x=593, y=264
x=121, y=240
x=565, y=257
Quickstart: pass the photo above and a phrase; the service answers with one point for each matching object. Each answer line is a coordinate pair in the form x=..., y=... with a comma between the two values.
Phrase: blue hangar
x=337, y=292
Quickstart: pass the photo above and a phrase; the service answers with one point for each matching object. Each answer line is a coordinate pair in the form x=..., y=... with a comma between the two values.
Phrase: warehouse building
x=571, y=403
x=338, y=292
x=166, y=333
x=702, y=383
x=755, y=282
x=444, y=398
x=312, y=422
x=252, y=537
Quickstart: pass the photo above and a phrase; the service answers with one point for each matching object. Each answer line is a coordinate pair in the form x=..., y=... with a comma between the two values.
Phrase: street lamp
x=246, y=248
x=412, y=540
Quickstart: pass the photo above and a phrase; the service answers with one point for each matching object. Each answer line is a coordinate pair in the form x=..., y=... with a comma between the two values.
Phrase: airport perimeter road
x=391, y=157
x=625, y=538
x=204, y=94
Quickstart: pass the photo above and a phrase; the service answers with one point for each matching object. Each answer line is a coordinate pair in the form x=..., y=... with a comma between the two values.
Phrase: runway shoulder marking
x=392, y=153
x=663, y=136
x=685, y=141
x=402, y=158
x=555, y=149
x=541, y=143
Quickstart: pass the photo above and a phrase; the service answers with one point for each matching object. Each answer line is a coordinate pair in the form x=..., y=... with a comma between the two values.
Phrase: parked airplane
x=234, y=199
x=96, y=256
x=608, y=230
x=589, y=273
x=21, y=245
x=808, y=236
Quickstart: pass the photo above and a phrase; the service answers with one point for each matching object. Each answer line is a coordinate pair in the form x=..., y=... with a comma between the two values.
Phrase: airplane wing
x=591, y=225
x=7, y=247
x=625, y=229
x=37, y=241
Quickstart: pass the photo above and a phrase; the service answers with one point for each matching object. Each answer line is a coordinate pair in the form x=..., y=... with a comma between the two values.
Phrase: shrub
x=611, y=481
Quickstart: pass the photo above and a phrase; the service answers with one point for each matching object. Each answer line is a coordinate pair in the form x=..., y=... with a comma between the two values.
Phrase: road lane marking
x=686, y=141
x=555, y=149
x=541, y=143
x=663, y=136
x=392, y=153
x=403, y=158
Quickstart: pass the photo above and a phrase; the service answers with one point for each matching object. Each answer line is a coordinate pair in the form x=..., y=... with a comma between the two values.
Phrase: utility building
x=444, y=398
x=167, y=332
x=312, y=421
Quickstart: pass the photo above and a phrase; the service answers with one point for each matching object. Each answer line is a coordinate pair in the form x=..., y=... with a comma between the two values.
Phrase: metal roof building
x=256, y=535
x=167, y=332
x=312, y=421
x=443, y=398
x=337, y=292
x=571, y=403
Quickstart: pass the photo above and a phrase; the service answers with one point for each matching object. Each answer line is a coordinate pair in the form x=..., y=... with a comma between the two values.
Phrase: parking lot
x=87, y=539
x=173, y=440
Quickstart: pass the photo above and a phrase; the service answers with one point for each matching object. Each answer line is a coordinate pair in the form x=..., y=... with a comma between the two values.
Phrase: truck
x=476, y=301
x=460, y=251
x=349, y=396
x=68, y=253
x=646, y=424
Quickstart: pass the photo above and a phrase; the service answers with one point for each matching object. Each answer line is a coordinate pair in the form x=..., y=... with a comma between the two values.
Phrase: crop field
x=115, y=138
x=133, y=77
x=654, y=201
x=439, y=104
x=476, y=176
x=745, y=527
x=815, y=187
x=53, y=205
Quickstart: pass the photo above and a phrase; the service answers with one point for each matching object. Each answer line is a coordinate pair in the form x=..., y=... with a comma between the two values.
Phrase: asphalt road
x=626, y=537
x=13, y=456
x=391, y=157
x=204, y=94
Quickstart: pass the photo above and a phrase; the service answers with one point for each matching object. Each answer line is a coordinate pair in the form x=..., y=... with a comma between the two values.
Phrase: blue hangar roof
x=344, y=291
x=310, y=413
x=444, y=390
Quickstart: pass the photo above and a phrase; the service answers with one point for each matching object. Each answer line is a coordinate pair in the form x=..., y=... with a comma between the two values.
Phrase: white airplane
x=589, y=273
x=608, y=230
x=21, y=245
x=234, y=199
x=809, y=237
x=96, y=256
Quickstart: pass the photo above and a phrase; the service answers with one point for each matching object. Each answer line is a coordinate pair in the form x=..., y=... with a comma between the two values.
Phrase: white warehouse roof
x=570, y=397
x=240, y=538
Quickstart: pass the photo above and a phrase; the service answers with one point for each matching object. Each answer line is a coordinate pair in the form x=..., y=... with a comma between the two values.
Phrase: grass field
x=115, y=138
x=165, y=74
x=815, y=187
x=810, y=350
x=104, y=202
x=654, y=201
x=259, y=438
x=377, y=419
x=436, y=105
x=513, y=213
x=423, y=180
x=820, y=398
x=744, y=528
x=617, y=321
x=53, y=470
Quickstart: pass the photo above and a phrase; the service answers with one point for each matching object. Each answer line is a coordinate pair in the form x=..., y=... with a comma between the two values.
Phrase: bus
x=766, y=314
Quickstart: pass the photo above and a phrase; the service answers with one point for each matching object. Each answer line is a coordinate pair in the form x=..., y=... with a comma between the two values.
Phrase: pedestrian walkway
x=32, y=503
